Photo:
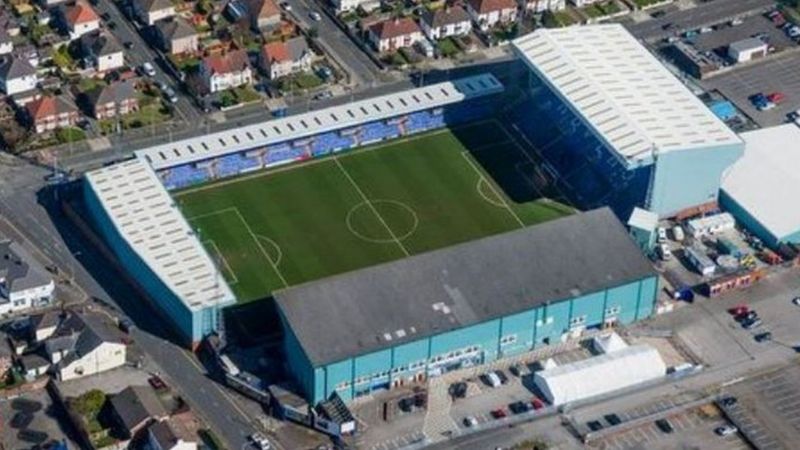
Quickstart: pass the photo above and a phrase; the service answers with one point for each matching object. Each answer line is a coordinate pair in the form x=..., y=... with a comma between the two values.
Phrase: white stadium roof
x=314, y=122
x=599, y=375
x=148, y=220
x=634, y=103
x=766, y=180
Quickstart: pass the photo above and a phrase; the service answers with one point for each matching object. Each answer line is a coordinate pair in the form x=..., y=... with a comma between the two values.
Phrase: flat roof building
x=635, y=109
x=761, y=190
x=468, y=304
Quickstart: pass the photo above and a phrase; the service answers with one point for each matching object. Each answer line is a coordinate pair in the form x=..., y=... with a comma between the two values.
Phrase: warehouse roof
x=765, y=180
x=747, y=45
x=427, y=294
x=314, y=122
x=632, y=101
x=149, y=221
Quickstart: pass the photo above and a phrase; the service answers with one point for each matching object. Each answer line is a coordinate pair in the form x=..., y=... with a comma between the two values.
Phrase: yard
x=300, y=81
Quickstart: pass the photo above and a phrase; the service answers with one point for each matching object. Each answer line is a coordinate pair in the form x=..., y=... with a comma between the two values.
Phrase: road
x=141, y=53
x=29, y=214
x=703, y=14
x=362, y=70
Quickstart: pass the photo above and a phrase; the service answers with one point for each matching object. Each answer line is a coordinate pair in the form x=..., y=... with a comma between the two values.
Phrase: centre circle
x=369, y=221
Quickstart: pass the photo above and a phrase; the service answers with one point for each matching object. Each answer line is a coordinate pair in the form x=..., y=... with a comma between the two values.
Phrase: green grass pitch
x=290, y=225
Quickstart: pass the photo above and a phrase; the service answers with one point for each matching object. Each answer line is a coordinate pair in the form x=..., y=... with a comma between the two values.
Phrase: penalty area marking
x=225, y=266
x=465, y=155
x=279, y=255
x=482, y=192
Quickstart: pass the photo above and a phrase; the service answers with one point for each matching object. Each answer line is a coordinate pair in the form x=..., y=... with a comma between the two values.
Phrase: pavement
x=703, y=14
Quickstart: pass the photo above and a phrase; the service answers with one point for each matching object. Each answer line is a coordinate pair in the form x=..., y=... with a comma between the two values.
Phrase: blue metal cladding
x=475, y=344
x=191, y=325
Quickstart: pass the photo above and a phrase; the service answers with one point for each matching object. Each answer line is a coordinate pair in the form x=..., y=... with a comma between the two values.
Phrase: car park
x=763, y=337
x=726, y=430
x=665, y=426
x=470, y=421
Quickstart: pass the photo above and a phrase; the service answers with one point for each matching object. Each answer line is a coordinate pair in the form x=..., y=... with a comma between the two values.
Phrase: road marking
x=372, y=207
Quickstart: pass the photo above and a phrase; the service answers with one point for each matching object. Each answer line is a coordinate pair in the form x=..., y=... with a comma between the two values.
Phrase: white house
x=151, y=11
x=163, y=435
x=82, y=346
x=221, y=72
x=445, y=22
x=540, y=6
x=6, y=44
x=489, y=13
x=80, y=19
x=278, y=59
x=394, y=34
x=102, y=52
x=23, y=282
x=342, y=6
x=582, y=3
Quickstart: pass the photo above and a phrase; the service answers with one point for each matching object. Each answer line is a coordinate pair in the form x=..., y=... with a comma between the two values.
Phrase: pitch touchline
x=213, y=213
x=372, y=207
x=465, y=155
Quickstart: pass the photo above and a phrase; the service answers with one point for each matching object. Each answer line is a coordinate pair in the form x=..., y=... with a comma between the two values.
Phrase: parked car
x=537, y=403
x=491, y=379
x=325, y=72
x=286, y=6
x=515, y=370
x=519, y=407
x=111, y=24
x=323, y=95
x=612, y=419
x=594, y=425
x=726, y=430
x=157, y=383
x=315, y=16
x=763, y=337
x=665, y=426
x=728, y=401
x=458, y=390
x=126, y=325
x=128, y=45
x=796, y=301
x=664, y=252
x=105, y=16
x=148, y=69
x=749, y=324
x=470, y=421
x=776, y=97
x=502, y=376
x=662, y=234
x=261, y=441
x=747, y=316
x=499, y=413
x=739, y=310
x=170, y=95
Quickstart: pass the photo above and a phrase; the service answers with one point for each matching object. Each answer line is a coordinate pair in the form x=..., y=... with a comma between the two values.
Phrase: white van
x=664, y=253
x=662, y=234
x=677, y=233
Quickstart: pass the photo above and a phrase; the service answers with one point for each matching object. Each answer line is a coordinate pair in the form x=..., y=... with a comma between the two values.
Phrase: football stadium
x=234, y=216
x=430, y=229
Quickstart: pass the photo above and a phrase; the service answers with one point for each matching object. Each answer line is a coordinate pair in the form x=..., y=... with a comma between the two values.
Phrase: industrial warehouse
x=466, y=305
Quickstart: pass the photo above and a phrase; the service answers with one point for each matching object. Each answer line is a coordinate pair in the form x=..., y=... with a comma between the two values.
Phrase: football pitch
x=286, y=226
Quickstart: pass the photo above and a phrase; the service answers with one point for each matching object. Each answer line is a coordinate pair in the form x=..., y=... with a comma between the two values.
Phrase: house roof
x=166, y=434
x=389, y=29
x=11, y=67
x=177, y=28
x=154, y=5
x=4, y=37
x=114, y=92
x=234, y=61
x=48, y=106
x=79, y=13
x=431, y=293
x=136, y=404
x=263, y=8
x=19, y=269
x=100, y=44
x=486, y=6
x=33, y=361
x=445, y=16
x=291, y=50
x=47, y=319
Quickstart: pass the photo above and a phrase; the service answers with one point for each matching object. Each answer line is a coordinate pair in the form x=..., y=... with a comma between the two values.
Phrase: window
x=507, y=340
x=577, y=321
x=613, y=310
